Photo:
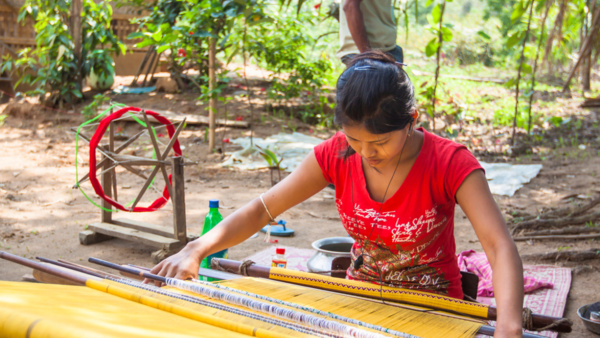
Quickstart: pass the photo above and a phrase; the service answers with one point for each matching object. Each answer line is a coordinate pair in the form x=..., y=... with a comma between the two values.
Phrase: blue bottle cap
x=213, y=204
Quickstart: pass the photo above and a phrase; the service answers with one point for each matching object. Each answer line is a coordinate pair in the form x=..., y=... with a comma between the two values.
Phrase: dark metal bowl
x=592, y=326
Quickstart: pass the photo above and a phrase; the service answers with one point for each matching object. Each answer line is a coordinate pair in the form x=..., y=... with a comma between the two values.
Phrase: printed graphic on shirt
x=397, y=270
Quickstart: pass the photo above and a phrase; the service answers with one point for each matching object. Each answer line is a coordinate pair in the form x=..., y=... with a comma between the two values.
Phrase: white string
x=306, y=319
x=309, y=309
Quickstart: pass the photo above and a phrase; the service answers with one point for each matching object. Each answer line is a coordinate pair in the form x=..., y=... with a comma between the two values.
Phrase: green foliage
x=51, y=67
x=282, y=46
x=183, y=28
x=91, y=109
x=270, y=157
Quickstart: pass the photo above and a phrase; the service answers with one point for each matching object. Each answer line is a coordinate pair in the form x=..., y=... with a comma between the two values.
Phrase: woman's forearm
x=233, y=230
x=508, y=289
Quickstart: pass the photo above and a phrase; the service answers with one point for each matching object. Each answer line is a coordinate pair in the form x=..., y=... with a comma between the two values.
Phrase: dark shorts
x=396, y=53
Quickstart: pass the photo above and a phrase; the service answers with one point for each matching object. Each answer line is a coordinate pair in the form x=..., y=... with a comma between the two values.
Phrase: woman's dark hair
x=376, y=92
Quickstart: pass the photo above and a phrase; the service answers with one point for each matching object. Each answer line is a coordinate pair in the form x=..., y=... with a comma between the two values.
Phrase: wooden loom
x=167, y=241
x=212, y=308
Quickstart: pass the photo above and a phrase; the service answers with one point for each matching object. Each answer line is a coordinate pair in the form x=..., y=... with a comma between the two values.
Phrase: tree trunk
x=557, y=24
x=212, y=83
x=512, y=139
x=76, y=7
x=587, y=46
x=586, y=67
x=437, y=59
x=535, y=65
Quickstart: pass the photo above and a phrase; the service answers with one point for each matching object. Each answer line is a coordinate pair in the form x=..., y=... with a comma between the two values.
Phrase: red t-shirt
x=413, y=242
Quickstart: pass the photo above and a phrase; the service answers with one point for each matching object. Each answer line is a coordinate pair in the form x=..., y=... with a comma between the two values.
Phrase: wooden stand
x=168, y=241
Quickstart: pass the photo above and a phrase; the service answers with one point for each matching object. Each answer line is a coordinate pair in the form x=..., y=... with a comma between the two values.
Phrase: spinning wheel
x=167, y=240
x=112, y=158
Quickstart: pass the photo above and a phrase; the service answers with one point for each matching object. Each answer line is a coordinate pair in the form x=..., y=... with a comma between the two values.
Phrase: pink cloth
x=478, y=264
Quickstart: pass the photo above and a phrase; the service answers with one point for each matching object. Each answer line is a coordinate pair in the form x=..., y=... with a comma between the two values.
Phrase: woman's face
x=377, y=149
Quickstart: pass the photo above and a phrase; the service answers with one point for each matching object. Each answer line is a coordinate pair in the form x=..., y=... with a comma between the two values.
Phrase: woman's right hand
x=183, y=265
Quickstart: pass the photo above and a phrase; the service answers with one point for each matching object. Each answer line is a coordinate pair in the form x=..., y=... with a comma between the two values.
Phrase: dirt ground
x=41, y=215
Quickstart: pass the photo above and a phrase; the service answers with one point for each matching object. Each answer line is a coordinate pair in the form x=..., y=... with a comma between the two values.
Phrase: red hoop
x=95, y=140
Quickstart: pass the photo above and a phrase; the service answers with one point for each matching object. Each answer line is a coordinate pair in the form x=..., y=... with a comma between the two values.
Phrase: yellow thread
x=74, y=311
x=176, y=306
x=374, y=291
x=392, y=317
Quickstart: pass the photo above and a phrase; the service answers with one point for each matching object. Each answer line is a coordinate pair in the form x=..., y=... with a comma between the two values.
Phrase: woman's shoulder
x=444, y=151
x=330, y=156
x=333, y=145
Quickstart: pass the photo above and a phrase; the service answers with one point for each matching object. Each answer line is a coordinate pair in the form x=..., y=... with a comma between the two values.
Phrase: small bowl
x=592, y=326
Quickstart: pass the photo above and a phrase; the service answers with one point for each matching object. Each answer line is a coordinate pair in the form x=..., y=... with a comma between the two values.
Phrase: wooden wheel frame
x=112, y=158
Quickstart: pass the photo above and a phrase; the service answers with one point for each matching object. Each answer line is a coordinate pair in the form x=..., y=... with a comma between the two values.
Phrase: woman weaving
x=396, y=191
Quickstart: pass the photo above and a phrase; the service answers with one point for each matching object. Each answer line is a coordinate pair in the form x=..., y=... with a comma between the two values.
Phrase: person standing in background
x=367, y=25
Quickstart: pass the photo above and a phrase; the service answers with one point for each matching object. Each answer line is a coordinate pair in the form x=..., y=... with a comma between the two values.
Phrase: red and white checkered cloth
x=478, y=264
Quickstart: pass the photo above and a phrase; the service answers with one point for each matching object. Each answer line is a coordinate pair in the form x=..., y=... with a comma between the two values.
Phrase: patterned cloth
x=548, y=301
x=478, y=264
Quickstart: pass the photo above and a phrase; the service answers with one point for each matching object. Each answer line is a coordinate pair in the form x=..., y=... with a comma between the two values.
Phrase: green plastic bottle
x=210, y=221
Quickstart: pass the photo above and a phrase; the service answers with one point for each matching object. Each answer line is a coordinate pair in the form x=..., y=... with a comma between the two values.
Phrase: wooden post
x=76, y=33
x=212, y=104
x=106, y=181
x=178, y=198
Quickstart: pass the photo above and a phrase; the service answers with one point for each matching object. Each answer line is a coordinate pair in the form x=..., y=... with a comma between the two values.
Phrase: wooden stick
x=141, y=67
x=576, y=256
x=157, y=150
x=77, y=278
x=105, y=274
x=173, y=139
x=566, y=231
x=152, y=174
x=254, y=270
x=559, y=237
x=547, y=223
x=128, y=269
x=46, y=260
x=111, y=148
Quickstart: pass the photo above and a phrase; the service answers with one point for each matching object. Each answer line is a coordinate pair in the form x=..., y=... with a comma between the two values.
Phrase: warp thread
x=299, y=317
x=310, y=309
x=274, y=321
x=528, y=321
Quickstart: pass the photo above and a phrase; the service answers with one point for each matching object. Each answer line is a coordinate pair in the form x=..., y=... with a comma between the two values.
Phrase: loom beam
x=539, y=321
x=66, y=274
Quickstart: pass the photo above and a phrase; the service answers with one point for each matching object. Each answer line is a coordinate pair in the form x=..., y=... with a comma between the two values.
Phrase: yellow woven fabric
x=199, y=312
x=45, y=311
x=372, y=290
x=392, y=317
